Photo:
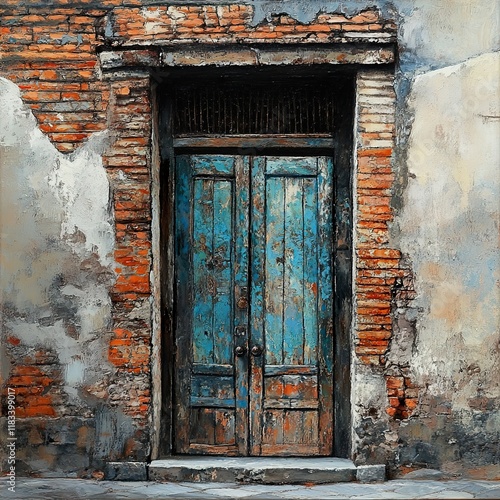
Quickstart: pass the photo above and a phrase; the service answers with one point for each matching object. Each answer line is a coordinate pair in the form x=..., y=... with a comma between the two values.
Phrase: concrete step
x=312, y=470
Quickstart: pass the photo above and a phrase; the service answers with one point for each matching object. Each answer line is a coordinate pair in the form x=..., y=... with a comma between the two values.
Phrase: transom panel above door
x=253, y=251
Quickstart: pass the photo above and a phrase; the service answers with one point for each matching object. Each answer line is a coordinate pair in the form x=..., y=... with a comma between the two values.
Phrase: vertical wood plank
x=310, y=432
x=293, y=299
x=224, y=427
x=221, y=268
x=274, y=269
x=257, y=301
x=182, y=248
x=203, y=281
x=292, y=427
x=310, y=288
x=203, y=425
x=325, y=304
x=272, y=432
x=241, y=280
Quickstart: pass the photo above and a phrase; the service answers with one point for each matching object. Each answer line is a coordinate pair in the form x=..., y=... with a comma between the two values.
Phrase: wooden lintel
x=251, y=141
x=252, y=55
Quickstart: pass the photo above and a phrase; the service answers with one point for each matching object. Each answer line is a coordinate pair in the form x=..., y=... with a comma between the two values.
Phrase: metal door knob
x=256, y=350
x=240, y=351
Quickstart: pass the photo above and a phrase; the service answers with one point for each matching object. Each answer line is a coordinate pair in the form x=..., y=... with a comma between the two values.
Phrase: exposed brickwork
x=37, y=382
x=403, y=396
x=51, y=54
x=379, y=270
x=232, y=23
x=128, y=164
x=377, y=266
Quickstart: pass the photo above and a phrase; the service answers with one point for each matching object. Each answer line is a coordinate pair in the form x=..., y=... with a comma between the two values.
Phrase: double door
x=253, y=273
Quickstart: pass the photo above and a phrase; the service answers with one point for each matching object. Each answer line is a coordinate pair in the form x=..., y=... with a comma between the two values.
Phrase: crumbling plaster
x=57, y=242
x=448, y=227
x=56, y=246
x=431, y=34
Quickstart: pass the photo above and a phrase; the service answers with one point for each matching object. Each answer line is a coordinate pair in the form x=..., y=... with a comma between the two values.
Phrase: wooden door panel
x=292, y=305
x=291, y=272
x=290, y=432
x=274, y=271
x=294, y=313
x=206, y=393
x=310, y=283
x=212, y=271
x=284, y=349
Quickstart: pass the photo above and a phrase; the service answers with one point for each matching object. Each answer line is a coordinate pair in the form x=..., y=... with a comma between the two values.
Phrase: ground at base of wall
x=82, y=488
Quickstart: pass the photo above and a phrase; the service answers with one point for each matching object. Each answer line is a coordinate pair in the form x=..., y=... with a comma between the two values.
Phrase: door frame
x=342, y=143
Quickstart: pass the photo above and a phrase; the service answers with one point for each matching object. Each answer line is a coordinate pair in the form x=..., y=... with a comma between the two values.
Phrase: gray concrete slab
x=452, y=494
x=75, y=489
x=490, y=493
x=260, y=470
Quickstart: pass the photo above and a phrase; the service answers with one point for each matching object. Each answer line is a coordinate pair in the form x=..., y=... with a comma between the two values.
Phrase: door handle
x=256, y=350
x=240, y=351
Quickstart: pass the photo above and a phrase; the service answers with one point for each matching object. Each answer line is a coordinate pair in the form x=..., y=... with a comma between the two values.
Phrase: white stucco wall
x=449, y=228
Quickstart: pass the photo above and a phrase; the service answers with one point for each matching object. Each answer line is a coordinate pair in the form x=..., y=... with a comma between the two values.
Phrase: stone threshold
x=264, y=470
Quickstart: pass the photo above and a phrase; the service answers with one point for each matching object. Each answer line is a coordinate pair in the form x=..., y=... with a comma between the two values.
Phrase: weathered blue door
x=253, y=239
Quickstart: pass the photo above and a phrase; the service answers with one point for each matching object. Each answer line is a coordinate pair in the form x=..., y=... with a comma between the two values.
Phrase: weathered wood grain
x=222, y=272
x=183, y=334
x=202, y=243
x=293, y=279
x=241, y=290
x=258, y=256
x=274, y=269
x=310, y=282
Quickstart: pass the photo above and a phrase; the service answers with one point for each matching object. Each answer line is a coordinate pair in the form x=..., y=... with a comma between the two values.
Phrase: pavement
x=70, y=489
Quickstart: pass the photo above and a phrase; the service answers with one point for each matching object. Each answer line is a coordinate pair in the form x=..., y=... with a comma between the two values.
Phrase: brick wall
x=232, y=23
x=50, y=53
x=381, y=280
x=129, y=168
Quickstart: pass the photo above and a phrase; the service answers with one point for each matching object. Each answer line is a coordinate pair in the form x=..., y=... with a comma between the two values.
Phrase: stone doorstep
x=262, y=470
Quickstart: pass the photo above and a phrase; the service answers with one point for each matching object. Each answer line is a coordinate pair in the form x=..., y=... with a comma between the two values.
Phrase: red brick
x=20, y=370
x=394, y=402
x=384, y=253
x=374, y=335
x=411, y=403
x=373, y=311
x=394, y=382
x=377, y=263
x=36, y=411
x=383, y=152
x=380, y=349
x=118, y=342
